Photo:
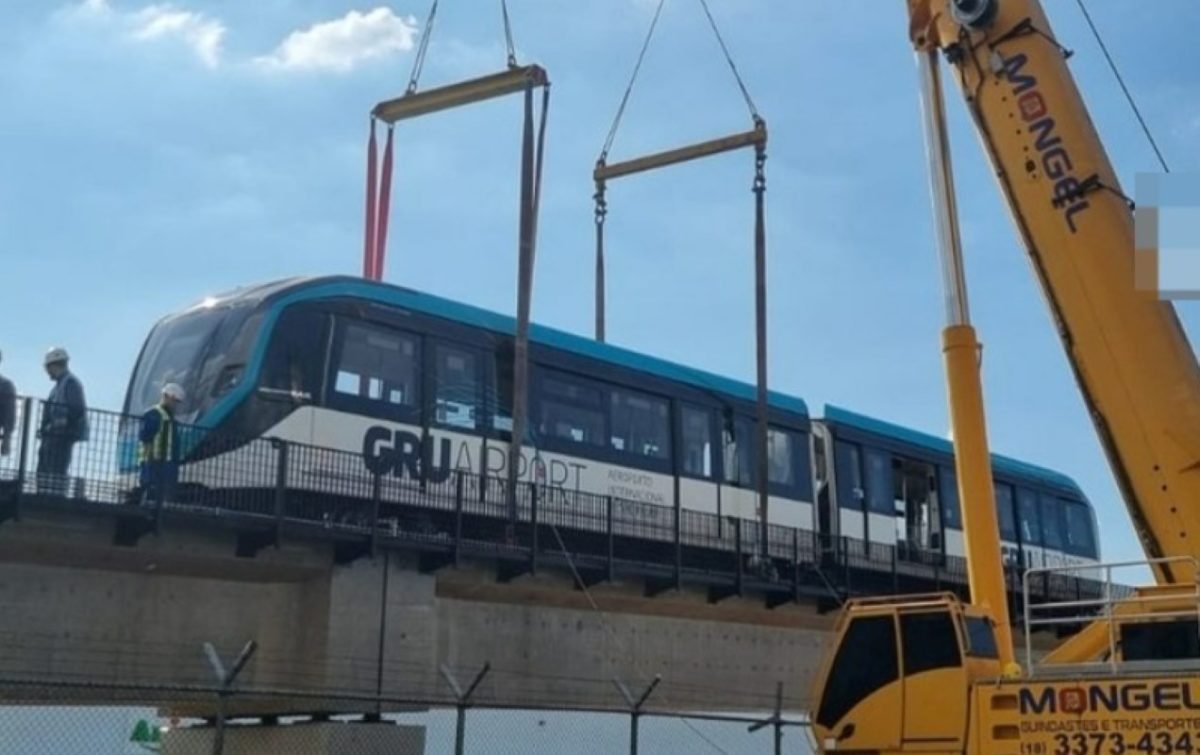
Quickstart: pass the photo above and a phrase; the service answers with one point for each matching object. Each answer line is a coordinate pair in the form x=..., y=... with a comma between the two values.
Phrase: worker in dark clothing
x=158, y=450
x=64, y=423
x=8, y=414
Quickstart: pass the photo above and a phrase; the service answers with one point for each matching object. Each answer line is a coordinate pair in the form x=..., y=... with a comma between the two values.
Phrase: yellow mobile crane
x=930, y=673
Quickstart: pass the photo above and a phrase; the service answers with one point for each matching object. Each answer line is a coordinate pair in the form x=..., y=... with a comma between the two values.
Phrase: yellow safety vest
x=160, y=447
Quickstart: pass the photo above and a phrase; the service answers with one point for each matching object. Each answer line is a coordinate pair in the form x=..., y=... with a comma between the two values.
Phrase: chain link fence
x=69, y=718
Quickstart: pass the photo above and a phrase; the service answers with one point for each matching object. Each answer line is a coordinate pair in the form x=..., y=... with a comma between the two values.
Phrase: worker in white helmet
x=64, y=422
x=8, y=414
x=158, y=451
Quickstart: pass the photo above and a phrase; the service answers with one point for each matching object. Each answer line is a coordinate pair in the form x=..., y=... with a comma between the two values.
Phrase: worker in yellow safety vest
x=158, y=452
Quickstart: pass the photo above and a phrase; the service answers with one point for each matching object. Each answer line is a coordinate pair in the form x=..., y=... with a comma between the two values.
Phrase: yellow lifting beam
x=415, y=104
x=756, y=137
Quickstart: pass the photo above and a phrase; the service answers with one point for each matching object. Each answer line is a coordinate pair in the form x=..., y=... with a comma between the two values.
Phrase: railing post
x=533, y=523
x=376, y=505
x=608, y=517
x=846, y=563
x=678, y=546
x=458, y=515
x=895, y=571
x=23, y=457
x=795, y=563
x=737, y=545
x=281, y=487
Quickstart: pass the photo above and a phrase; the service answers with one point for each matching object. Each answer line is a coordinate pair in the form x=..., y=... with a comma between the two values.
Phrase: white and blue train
x=420, y=386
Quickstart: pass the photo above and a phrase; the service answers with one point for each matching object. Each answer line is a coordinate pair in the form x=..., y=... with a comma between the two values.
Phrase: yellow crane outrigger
x=930, y=673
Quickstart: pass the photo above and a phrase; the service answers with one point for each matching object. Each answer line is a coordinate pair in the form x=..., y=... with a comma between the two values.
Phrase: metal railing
x=1109, y=602
x=269, y=487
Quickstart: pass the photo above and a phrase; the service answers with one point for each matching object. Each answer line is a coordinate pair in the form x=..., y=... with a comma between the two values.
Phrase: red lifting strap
x=378, y=204
x=382, y=210
x=369, y=231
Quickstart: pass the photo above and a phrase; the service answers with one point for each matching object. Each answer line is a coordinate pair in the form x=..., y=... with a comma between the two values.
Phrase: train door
x=882, y=514
x=698, y=488
x=824, y=485
x=916, y=507
x=850, y=492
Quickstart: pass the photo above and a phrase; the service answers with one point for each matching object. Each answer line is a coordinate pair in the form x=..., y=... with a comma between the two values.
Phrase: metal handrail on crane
x=755, y=138
x=413, y=104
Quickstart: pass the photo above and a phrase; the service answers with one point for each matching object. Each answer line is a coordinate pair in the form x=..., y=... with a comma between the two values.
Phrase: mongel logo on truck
x=1094, y=698
x=1055, y=159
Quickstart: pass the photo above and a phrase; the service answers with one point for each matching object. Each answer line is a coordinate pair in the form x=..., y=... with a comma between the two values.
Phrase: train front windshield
x=174, y=353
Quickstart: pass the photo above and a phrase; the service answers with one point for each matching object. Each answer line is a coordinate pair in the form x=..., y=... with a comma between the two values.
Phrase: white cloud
x=337, y=45
x=200, y=33
x=343, y=43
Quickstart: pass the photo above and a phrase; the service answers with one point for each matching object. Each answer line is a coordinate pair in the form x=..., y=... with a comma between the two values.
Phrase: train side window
x=697, y=452
x=378, y=365
x=1004, y=512
x=929, y=642
x=1052, y=524
x=1027, y=510
x=456, y=388
x=500, y=395
x=851, y=681
x=880, y=498
x=571, y=409
x=296, y=354
x=948, y=498
x=1080, y=538
x=738, y=438
x=851, y=493
x=639, y=424
x=781, y=456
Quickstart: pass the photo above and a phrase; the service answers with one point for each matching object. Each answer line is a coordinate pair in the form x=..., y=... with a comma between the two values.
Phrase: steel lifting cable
x=599, y=196
x=1121, y=81
x=729, y=59
x=422, y=49
x=508, y=36
x=637, y=67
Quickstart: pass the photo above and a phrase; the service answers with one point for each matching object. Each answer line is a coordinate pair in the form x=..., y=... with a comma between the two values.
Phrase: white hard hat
x=57, y=354
x=175, y=391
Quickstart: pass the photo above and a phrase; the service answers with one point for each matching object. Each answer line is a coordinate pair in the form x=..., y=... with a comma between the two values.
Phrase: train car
x=413, y=386
x=419, y=386
x=893, y=487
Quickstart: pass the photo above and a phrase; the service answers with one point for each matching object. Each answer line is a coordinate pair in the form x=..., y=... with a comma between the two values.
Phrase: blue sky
x=156, y=153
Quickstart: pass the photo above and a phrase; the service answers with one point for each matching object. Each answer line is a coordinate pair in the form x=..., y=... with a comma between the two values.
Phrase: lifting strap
x=369, y=225
x=531, y=189
x=413, y=104
x=756, y=138
x=378, y=204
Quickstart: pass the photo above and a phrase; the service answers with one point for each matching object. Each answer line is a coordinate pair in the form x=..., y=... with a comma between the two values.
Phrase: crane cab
x=899, y=677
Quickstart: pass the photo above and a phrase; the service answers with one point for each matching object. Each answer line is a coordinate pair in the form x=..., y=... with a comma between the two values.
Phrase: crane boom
x=928, y=673
x=1130, y=355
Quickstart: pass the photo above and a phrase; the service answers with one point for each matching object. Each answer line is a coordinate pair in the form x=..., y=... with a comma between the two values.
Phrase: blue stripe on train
x=481, y=318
